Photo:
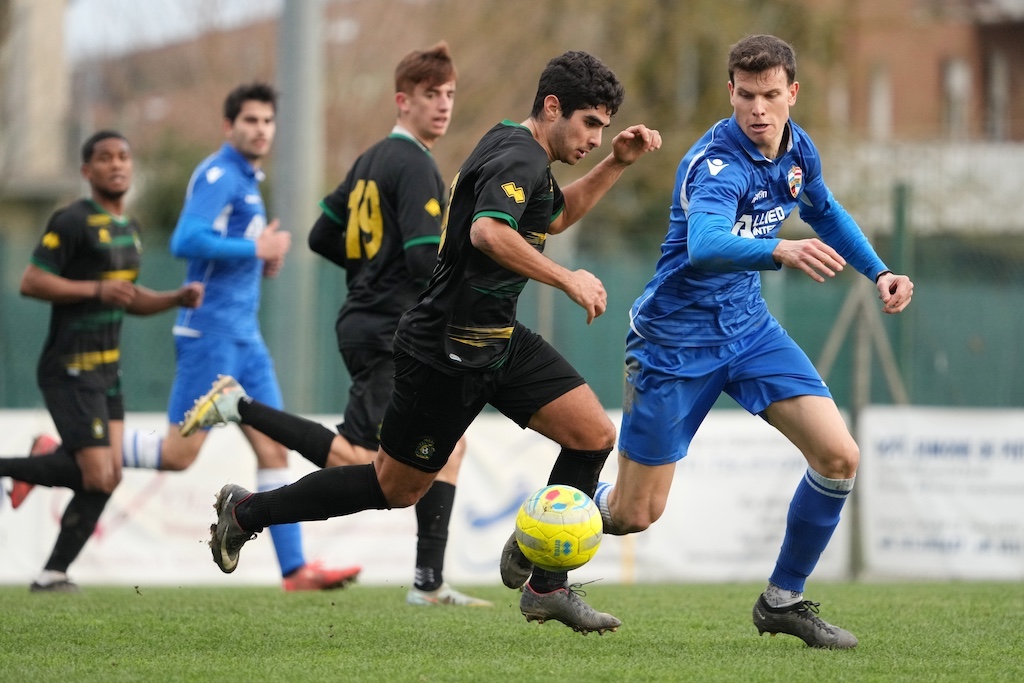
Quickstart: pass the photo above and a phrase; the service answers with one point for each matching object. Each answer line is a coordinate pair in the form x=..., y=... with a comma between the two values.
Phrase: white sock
x=272, y=478
x=141, y=449
x=601, y=496
x=781, y=597
x=48, y=576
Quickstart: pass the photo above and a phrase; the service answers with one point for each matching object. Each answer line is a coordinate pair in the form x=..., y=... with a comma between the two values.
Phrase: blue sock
x=813, y=516
x=287, y=538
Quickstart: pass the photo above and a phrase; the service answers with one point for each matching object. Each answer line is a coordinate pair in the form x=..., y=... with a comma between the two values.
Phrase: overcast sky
x=105, y=27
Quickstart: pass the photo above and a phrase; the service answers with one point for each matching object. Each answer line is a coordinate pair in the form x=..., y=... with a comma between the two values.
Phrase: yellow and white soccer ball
x=559, y=528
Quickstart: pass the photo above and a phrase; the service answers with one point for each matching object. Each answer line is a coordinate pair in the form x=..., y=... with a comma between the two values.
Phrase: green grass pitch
x=907, y=631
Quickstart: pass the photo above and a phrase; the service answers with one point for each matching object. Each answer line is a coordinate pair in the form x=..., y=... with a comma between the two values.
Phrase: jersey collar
x=751, y=149
x=228, y=150
x=402, y=132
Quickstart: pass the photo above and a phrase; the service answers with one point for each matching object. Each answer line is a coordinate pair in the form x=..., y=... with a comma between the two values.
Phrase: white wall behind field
x=724, y=522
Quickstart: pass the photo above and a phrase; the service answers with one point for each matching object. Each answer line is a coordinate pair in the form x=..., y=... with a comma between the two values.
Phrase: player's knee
x=599, y=436
x=402, y=498
x=402, y=494
x=104, y=481
x=839, y=462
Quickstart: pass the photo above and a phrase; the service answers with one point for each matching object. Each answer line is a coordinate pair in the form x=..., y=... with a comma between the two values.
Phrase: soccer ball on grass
x=559, y=528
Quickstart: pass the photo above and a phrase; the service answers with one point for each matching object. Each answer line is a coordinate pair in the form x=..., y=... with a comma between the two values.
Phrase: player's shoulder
x=75, y=215
x=401, y=149
x=220, y=168
x=513, y=144
x=717, y=155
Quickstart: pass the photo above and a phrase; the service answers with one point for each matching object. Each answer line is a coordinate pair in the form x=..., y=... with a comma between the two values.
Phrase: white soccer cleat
x=444, y=595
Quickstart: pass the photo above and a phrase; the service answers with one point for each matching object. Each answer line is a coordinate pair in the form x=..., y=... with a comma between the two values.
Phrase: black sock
x=309, y=439
x=581, y=469
x=433, y=513
x=53, y=469
x=76, y=526
x=326, y=493
x=543, y=581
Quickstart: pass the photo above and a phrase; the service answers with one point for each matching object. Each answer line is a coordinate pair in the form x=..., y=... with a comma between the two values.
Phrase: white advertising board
x=724, y=521
x=943, y=493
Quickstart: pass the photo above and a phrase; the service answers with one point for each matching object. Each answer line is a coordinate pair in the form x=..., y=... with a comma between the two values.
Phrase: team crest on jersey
x=796, y=180
x=104, y=236
x=97, y=428
x=514, y=192
x=433, y=207
x=51, y=240
x=425, y=449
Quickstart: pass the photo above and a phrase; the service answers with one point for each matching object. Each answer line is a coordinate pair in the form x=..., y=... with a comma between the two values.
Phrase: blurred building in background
x=917, y=104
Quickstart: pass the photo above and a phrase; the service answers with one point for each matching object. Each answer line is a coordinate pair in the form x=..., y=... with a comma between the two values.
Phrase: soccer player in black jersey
x=85, y=266
x=382, y=224
x=460, y=347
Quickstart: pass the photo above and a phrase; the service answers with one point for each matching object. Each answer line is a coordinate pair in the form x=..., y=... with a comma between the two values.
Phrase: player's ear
x=402, y=101
x=552, y=107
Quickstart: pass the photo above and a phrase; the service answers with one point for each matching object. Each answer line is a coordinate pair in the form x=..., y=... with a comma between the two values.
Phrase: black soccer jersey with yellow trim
x=390, y=200
x=465, y=317
x=84, y=242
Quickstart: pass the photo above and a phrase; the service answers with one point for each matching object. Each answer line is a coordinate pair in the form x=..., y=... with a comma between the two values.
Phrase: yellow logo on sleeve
x=433, y=207
x=514, y=192
x=51, y=240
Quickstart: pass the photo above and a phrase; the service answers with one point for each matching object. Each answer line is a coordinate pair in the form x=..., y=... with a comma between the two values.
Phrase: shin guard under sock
x=309, y=439
x=813, y=516
x=57, y=469
x=433, y=514
x=331, y=492
x=76, y=526
x=579, y=468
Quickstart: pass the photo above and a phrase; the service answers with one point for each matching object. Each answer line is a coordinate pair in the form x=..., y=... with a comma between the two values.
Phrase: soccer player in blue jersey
x=460, y=346
x=86, y=266
x=701, y=326
x=230, y=247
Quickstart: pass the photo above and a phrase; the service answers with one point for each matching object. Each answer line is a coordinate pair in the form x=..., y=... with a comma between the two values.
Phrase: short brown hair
x=755, y=54
x=432, y=66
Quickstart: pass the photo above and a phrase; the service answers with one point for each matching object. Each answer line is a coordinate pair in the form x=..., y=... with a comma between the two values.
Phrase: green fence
x=959, y=344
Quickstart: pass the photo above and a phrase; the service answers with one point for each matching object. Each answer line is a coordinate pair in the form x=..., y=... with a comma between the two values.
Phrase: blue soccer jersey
x=728, y=206
x=216, y=232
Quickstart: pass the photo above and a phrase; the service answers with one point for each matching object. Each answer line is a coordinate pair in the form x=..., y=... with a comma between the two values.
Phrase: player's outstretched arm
x=148, y=302
x=41, y=284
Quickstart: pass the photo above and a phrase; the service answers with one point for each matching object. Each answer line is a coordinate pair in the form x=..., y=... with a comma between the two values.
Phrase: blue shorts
x=201, y=359
x=670, y=389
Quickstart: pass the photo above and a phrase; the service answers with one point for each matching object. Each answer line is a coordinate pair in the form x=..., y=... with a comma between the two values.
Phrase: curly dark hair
x=580, y=81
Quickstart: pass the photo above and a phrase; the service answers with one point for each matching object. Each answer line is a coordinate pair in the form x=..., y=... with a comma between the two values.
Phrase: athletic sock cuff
x=830, y=487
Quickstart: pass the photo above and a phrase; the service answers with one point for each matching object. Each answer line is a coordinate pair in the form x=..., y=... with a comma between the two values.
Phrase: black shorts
x=373, y=377
x=82, y=415
x=430, y=410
